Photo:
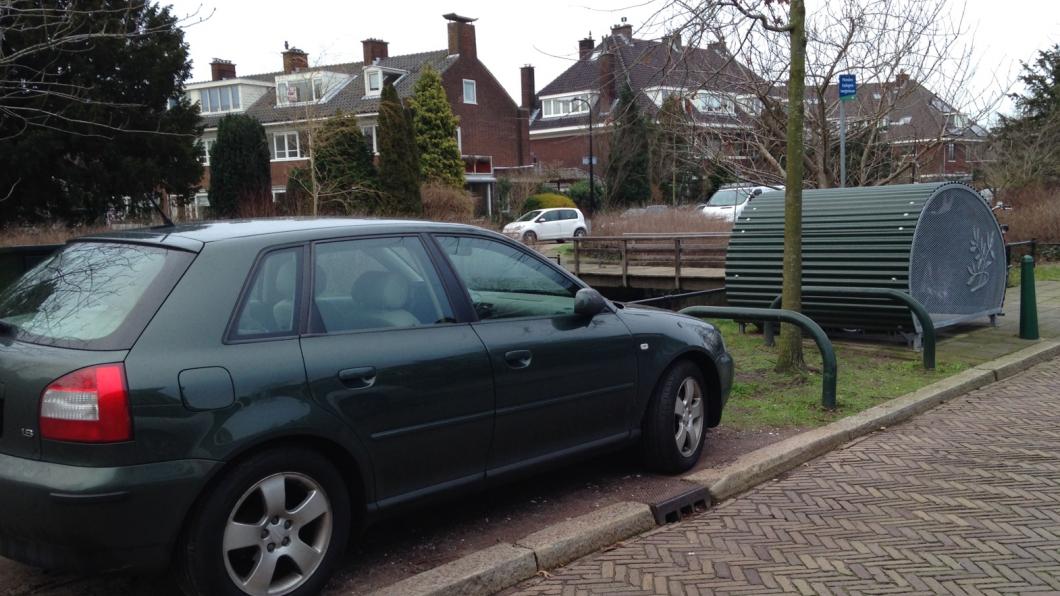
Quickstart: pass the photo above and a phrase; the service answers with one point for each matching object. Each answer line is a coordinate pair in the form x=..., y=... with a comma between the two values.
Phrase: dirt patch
x=399, y=548
x=442, y=532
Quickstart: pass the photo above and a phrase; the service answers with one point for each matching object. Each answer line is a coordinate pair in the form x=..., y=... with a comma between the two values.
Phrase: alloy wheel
x=688, y=416
x=277, y=534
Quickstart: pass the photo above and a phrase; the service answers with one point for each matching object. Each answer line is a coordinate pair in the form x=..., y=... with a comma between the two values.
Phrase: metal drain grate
x=674, y=509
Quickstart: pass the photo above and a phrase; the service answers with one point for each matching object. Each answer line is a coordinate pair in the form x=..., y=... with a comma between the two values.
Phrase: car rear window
x=91, y=295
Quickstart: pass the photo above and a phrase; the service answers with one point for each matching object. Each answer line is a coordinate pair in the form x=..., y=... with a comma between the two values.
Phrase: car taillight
x=90, y=405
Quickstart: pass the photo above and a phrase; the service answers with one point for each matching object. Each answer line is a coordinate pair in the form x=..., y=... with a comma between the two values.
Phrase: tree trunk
x=790, y=357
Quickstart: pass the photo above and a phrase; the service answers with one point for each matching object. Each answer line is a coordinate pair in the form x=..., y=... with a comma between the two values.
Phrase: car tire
x=679, y=402
x=530, y=238
x=211, y=558
x=580, y=233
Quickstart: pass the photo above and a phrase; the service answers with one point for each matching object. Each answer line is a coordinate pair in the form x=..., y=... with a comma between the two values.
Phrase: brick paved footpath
x=964, y=499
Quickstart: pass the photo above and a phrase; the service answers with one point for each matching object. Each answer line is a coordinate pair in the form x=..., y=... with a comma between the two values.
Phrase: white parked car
x=548, y=224
x=730, y=200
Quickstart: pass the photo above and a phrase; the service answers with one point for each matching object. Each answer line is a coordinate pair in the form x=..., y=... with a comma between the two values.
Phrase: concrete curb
x=753, y=468
x=501, y=566
x=561, y=543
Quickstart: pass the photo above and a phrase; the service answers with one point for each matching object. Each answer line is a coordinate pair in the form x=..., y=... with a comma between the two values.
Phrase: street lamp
x=592, y=179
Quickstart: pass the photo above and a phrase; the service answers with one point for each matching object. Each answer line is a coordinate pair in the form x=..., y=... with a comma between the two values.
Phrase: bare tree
x=914, y=62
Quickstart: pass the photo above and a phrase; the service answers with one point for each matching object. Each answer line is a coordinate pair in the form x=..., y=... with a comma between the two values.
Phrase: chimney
x=719, y=47
x=605, y=82
x=374, y=49
x=222, y=69
x=901, y=78
x=294, y=60
x=526, y=75
x=585, y=47
x=673, y=40
x=461, y=36
x=625, y=30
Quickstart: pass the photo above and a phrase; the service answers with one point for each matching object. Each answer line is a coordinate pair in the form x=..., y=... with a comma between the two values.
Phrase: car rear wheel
x=275, y=525
x=579, y=233
x=675, y=423
x=530, y=238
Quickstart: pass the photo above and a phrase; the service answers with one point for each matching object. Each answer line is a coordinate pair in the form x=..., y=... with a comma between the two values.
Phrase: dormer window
x=373, y=82
x=714, y=103
x=568, y=105
x=219, y=99
x=311, y=87
x=376, y=77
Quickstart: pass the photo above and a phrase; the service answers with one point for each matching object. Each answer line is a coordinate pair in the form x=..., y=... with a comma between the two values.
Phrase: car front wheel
x=530, y=238
x=276, y=524
x=674, y=424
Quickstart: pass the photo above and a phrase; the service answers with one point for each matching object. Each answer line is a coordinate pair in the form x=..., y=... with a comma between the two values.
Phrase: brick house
x=719, y=92
x=492, y=132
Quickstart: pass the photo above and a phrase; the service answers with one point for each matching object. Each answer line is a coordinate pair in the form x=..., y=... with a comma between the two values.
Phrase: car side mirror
x=589, y=303
x=539, y=220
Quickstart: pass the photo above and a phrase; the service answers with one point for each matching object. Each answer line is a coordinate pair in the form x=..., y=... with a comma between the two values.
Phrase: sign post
x=848, y=88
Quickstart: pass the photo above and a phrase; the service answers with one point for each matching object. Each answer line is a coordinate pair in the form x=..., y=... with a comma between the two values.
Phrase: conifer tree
x=399, y=157
x=628, y=174
x=435, y=127
x=240, y=183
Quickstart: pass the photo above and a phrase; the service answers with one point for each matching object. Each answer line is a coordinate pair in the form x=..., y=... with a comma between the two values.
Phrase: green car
x=236, y=398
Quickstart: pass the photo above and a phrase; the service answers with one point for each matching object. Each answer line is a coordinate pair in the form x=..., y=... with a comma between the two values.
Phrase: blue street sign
x=848, y=86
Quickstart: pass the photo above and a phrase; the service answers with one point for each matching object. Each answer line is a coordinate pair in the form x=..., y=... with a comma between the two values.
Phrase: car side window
x=375, y=283
x=552, y=216
x=506, y=282
x=270, y=305
x=570, y=214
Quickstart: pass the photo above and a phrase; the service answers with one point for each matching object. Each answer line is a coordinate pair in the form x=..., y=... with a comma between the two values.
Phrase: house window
x=565, y=106
x=470, y=91
x=373, y=82
x=714, y=103
x=286, y=146
x=951, y=151
x=206, y=145
x=279, y=194
x=299, y=91
x=219, y=99
x=371, y=138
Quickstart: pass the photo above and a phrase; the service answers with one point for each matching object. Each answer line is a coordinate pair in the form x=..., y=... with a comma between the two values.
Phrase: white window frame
x=235, y=97
x=459, y=141
x=951, y=152
x=287, y=135
x=278, y=190
x=562, y=106
x=726, y=105
x=372, y=130
x=377, y=73
x=206, y=143
x=473, y=98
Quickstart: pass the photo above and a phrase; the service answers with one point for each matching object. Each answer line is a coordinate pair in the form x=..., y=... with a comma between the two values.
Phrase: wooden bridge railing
x=679, y=251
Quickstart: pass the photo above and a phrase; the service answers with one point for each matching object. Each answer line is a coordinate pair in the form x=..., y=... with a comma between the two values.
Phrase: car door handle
x=518, y=358
x=358, y=378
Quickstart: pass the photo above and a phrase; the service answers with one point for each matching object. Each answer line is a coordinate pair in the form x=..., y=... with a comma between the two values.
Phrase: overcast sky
x=544, y=33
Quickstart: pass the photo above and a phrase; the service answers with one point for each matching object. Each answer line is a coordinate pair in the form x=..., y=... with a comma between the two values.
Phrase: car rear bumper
x=93, y=519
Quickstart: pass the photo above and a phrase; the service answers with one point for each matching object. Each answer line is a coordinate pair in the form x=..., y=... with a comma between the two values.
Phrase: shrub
x=1035, y=214
x=579, y=193
x=442, y=202
x=547, y=201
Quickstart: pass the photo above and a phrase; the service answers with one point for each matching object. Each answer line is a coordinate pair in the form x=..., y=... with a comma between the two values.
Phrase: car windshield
x=530, y=216
x=91, y=295
x=728, y=198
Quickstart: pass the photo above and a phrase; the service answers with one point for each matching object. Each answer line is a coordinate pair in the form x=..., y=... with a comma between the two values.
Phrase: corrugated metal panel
x=859, y=237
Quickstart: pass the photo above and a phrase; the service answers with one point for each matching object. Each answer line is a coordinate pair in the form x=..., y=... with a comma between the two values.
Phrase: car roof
x=191, y=236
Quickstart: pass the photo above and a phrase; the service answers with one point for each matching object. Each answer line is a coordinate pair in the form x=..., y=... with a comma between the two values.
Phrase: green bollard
x=1028, y=302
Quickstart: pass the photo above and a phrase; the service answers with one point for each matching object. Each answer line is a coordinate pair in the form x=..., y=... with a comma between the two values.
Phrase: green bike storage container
x=938, y=242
